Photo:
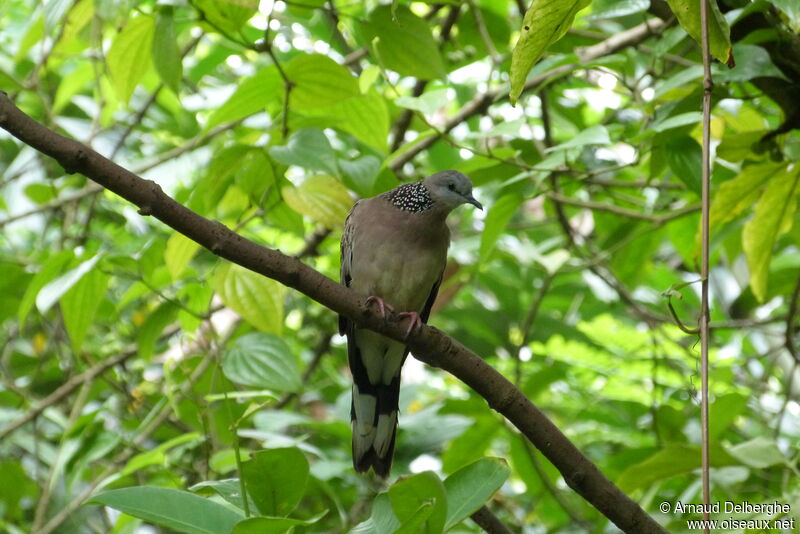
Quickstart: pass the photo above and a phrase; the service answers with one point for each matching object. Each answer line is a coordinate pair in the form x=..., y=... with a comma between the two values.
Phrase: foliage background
x=130, y=357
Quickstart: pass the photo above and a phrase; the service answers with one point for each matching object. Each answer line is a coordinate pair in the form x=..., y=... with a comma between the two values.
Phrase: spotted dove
x=394, y=250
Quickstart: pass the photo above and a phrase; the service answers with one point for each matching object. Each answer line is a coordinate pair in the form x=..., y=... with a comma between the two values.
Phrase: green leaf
x=263, y=361
x=472, y=486
x=595, y=135
x=737, y=195
x=49, y=270
x=276, y=480
x=272, y=525
x=411, y=496
x=381, y=520
x=72, y=84
x=719, y=33
x=365, y=117
x=229, y=489
x=175, y=509
x=672, y=460
x=612, y=9
x=544, y=23
x=724, y=410
x=166, y=54
x=361, y=174
x=682, y=119
x=759, y=452
x=258, y=299
x=774, y=215
x=53, y=291
x=157, y=456
x=403, y=42
x=178, y=253
x=751, y=62
x=496, y=221
x=427, y=103
x=252, y=95
x=684, y=159
x=318, y=82
x=226, y=15
x=80, y=303
x=152, y=328
x=130, y=55
x=307, y=148
x=368, y=77
x=321, y=198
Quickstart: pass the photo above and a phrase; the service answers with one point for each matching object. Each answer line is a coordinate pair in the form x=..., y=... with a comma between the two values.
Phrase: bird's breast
x=399, y=266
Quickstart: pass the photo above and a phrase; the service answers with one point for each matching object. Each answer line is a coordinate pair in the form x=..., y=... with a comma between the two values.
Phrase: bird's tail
x=374, y=420
x=374, y=406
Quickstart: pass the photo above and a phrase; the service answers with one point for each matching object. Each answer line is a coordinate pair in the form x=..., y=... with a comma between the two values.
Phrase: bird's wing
x=345, y=272
x=426, y=310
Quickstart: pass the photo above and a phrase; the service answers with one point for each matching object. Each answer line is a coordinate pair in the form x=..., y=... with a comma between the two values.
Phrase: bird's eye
x=451, y=187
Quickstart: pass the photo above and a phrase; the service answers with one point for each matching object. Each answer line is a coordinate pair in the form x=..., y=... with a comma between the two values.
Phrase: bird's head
x=450, y=189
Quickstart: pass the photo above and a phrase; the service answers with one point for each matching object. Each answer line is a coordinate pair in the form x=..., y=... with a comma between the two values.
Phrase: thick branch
x=428, y=344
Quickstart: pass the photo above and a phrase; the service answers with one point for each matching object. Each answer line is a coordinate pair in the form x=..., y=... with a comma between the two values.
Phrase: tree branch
x=428, y=344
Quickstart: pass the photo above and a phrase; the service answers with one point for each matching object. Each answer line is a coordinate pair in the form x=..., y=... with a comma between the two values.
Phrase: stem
x=704, y=311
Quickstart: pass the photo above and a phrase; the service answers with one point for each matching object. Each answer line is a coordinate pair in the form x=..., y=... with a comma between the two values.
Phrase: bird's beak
x=471, y=200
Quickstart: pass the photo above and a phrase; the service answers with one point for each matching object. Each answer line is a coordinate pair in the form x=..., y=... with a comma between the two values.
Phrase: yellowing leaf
x=321, y=198
x=773, y=217
x=735, y=196
x=257, y=299
x=545, y=22
x=130, y=55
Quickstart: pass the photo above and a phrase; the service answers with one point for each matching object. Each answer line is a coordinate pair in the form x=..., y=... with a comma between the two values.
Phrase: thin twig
x=704, y=263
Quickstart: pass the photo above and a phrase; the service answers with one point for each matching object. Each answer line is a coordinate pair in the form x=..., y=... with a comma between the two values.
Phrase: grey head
x=450, y=189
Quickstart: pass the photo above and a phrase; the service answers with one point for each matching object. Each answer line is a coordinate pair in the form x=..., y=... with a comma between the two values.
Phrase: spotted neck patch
x=413, y=197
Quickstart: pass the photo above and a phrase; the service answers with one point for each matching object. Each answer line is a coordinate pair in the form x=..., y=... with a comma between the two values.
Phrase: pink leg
x=414, y=321
x=382, y=305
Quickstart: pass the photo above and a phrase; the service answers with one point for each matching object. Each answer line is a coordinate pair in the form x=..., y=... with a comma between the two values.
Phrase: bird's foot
x=414, y=322
x=382, y=305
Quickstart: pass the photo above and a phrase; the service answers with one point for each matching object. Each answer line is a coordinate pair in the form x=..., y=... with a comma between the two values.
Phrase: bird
x=394, y=251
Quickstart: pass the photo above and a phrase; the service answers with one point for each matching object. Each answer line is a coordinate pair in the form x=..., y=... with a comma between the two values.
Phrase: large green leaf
x=80, y=303
x=774, y=216
x=321, y=198
x=175, y=509
x=365, y=117
x=403, y=42
x=318, y=81
x=684, y=159
x=496, y=220
x=49, y=270
x=130, y=55
x=252, y=95
x=258, y=299
x=272, y=525
x=759, y=452
x=425, y=494
x=307, y=148
x=719, y=33
x=672, y=460
x=166, y=54
x=276, y=480
x=263, y=361
x=226, y=15
x=53, y=291
x=471, y=486
x=544, y=23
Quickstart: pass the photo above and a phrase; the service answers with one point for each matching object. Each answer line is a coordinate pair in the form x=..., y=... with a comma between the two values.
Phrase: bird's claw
x=414, y=322
x=382, y=305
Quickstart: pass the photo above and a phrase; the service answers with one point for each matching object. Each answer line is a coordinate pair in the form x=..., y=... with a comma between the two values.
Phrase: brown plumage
x=394, y=249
